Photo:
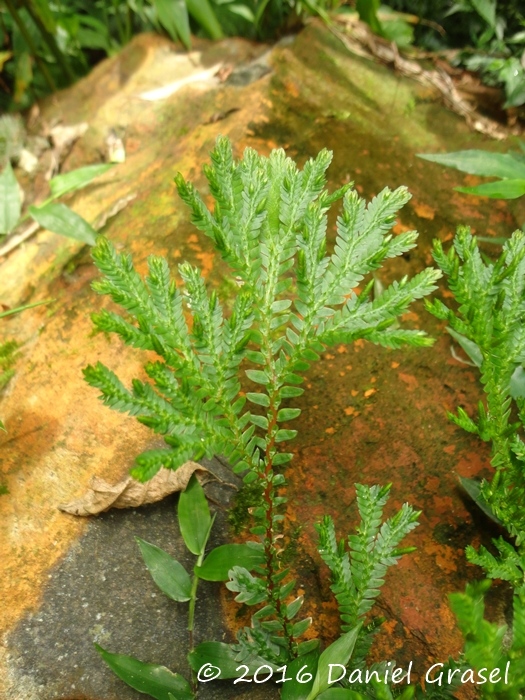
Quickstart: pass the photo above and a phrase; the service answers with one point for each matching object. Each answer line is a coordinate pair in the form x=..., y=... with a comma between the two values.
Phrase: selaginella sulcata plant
x=488, y=324
x=294, y=299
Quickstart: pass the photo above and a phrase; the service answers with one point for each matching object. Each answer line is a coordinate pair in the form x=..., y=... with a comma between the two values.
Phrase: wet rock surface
x=102, y=592
x=369, y=415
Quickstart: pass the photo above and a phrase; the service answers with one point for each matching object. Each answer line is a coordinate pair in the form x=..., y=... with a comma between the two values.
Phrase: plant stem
x=10, y=312
x=270, y=549
x=193, y=600
x=27, y=37
x=51, y=42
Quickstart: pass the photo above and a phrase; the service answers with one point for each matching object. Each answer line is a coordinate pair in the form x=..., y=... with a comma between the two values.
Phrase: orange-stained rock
x=59, y=434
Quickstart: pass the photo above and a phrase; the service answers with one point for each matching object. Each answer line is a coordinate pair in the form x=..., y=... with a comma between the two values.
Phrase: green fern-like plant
x=358, y=572
x=487, y=648
x=489, y=322
x=295, y=299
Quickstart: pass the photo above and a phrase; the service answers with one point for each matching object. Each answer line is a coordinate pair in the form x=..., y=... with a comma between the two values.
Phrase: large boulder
x=370, y=415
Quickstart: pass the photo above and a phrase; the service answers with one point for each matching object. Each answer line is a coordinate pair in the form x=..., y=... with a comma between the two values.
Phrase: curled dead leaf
x=130, y=493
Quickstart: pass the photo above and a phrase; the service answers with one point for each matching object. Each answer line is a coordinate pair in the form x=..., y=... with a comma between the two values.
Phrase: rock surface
x=370, y=415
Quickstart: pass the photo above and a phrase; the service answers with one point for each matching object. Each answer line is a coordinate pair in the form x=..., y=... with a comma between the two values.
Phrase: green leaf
x=259, y=399
x=243, y=11
x=282, y=435
x=61, y=219
x=294, y=689
x=477, y=162
x=169, y=575
x=173, y=15
x=77, y=179
x=221, y=559
x=487, y=10
x=202, y=12
x=194, y=516
x=223, y=658
x=18, y=309
x=340, y=694
x=517, y=383
x=288, y=414
x=156, y=681
x=469, y=346
x=473, y=488
x=367, y=10
x=44, y=12
x=258, y=376
x=288, y=392
x=502, y=189
x=10, y=204
x=337, y=653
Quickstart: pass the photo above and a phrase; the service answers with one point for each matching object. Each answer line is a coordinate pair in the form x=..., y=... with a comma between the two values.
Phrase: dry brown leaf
x=130, y=493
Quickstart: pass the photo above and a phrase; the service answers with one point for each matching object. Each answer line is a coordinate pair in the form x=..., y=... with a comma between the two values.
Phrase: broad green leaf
x=243, y=11
x=202, y=12
x=221, y=657
x=367, y=10
x=44, y=12
x=261, y=6
x=10, y=204
x=516, y=96
x=337, y=653
x=77, y=179
x=194, y=516
x=294, y=689
x=61, y=219
x=173, y=15
x=398, y=31
x=502, y=189
x=473, y=488
x=476, y=162
x=517, y=383
x=469, y=346
x=169, y=575
x=487, y=10
x=156, y=681
x=221, y=559
x=90, y=39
